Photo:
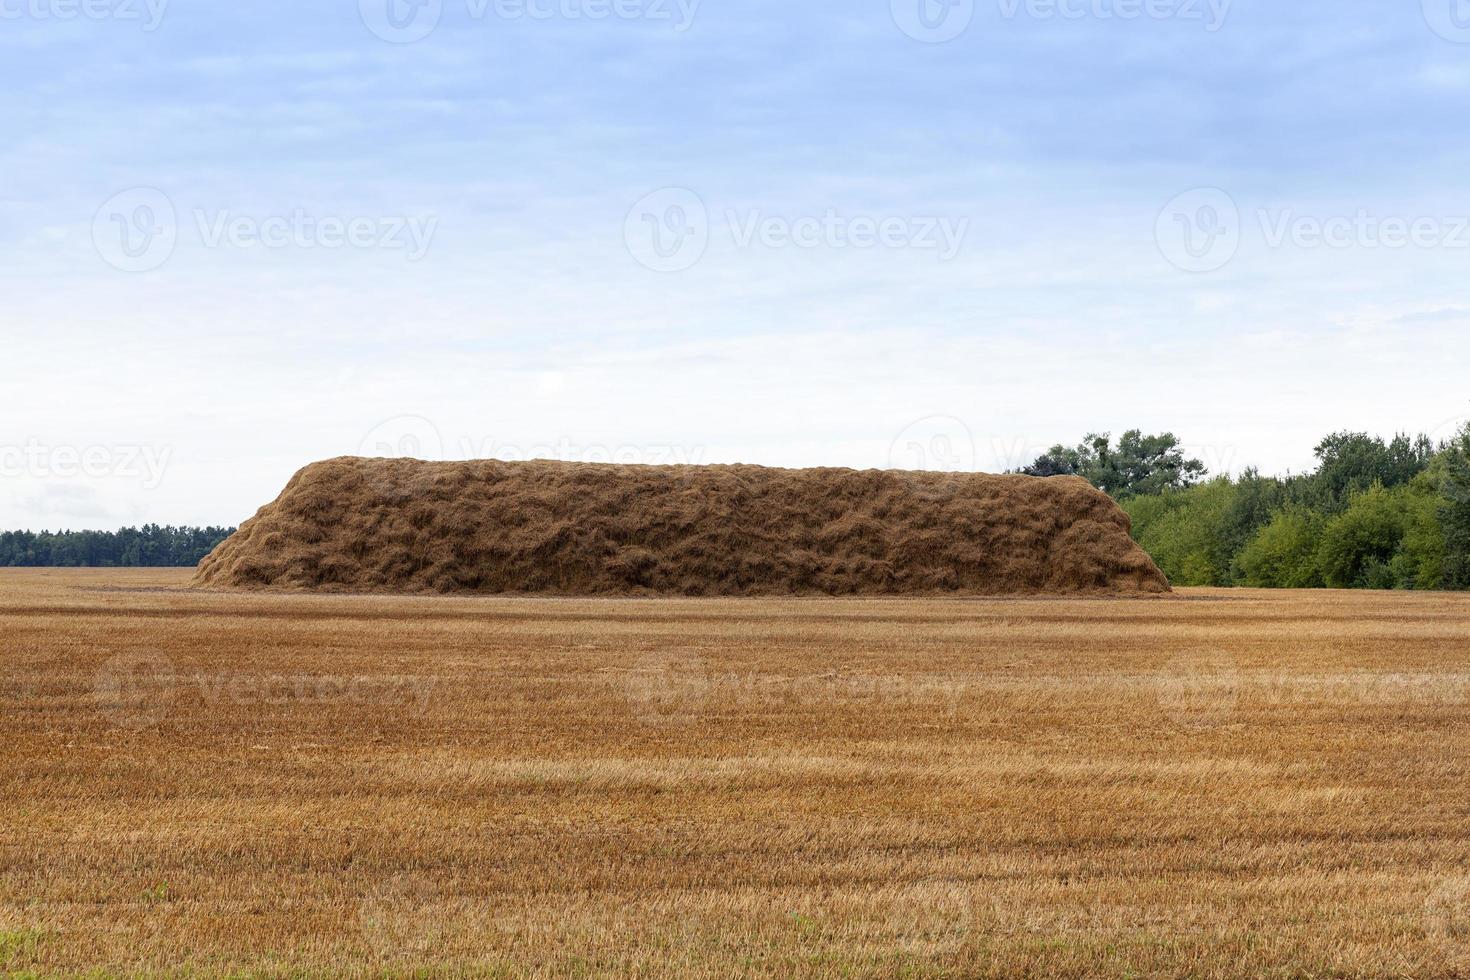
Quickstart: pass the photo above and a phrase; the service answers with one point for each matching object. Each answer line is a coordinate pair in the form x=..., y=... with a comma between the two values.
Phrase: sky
x=941, y=234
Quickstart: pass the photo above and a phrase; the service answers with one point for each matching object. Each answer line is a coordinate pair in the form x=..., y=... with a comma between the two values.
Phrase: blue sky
x=239, y=238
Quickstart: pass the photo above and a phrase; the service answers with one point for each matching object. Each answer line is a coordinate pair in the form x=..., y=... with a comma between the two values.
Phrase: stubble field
x=1213, y=783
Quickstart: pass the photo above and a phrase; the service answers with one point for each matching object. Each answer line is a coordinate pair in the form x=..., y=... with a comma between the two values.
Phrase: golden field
x=1211, y=784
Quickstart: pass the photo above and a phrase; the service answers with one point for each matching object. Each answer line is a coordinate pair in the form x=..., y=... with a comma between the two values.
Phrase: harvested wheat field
x=488, y=526
x=1205, y=784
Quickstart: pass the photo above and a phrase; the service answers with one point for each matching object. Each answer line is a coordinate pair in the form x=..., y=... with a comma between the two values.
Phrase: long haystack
x=486, y=526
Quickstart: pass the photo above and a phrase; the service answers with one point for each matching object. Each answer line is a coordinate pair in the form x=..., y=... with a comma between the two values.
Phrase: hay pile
x=394, y=525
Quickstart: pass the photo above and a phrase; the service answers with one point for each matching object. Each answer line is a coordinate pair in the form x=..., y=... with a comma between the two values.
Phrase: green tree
x=1359, y=545
x=1352, y=462
x=1256, y=501
x=1420, y=561
x=150, y=545
x=1283, y=554
x=1454, y=512
x=1137, y=465
x=1182, y=530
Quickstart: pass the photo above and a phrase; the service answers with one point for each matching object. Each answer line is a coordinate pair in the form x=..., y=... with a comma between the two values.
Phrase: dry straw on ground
x=584, y=529
x=1211, y=784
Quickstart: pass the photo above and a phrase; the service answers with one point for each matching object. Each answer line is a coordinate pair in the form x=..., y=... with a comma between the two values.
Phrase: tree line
x=149, y=546
x=1372, y=514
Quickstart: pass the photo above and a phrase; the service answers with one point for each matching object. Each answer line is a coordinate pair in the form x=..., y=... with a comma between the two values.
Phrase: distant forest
x=1372, y=514
x=149, y=546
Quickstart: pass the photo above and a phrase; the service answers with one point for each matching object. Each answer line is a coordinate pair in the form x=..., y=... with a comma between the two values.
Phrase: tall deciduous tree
x=1454, y=515
x=1138, y=464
